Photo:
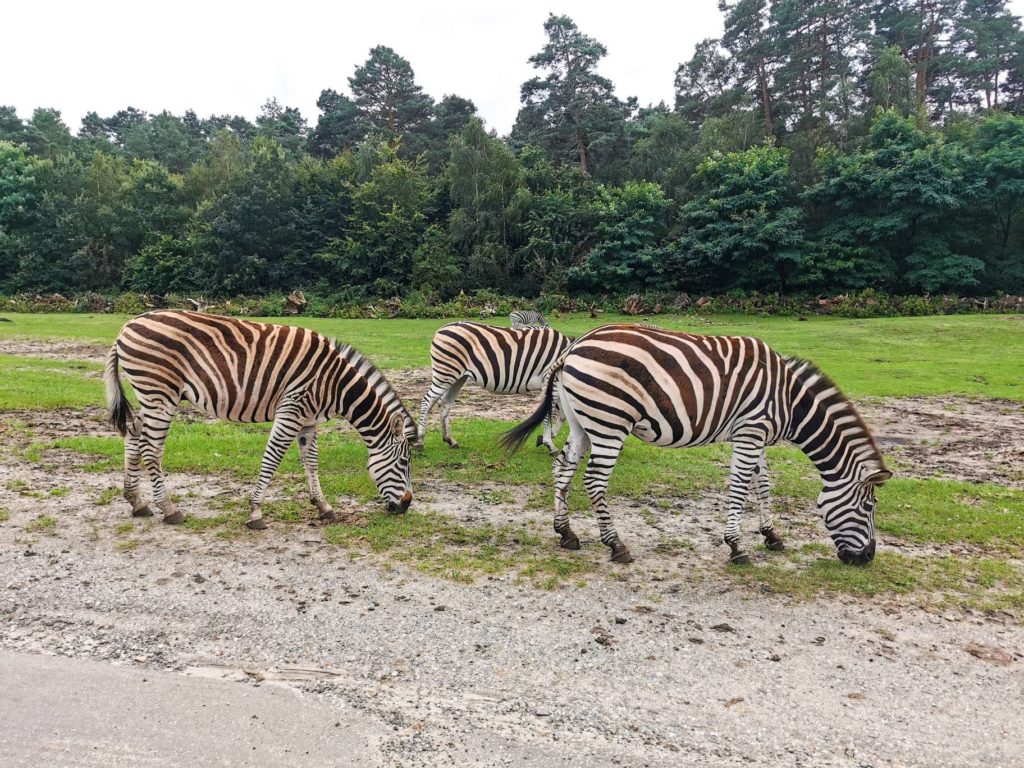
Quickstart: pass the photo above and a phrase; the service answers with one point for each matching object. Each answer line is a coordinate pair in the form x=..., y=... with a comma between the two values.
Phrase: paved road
x=57, y=711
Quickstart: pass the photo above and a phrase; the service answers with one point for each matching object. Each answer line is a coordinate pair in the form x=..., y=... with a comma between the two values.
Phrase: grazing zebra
x=252, y=372
x=527, y=318
x=677, y=389
x=501, y=360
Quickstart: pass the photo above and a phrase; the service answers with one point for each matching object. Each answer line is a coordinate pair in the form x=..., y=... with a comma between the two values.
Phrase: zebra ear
x=877, y=477
x=397, y=425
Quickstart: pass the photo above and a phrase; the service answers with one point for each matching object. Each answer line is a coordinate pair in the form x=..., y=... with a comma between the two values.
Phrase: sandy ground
x=656, y=664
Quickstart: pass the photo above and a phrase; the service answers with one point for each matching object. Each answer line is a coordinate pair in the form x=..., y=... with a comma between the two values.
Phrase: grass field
x=977, y=356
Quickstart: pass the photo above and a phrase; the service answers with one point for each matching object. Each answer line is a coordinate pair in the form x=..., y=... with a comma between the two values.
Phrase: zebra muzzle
x=858, y=557
x=398, y=508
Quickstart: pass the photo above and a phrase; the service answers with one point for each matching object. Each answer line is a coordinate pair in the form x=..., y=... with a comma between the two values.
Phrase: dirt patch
x=55, y=349
x=474, y=401
x=955, y=437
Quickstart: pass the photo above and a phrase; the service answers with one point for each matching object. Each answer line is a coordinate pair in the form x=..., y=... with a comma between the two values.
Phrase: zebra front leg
x=286, y=427
x=772, y=540
x=311, y=462
x=599, y=469
x=446, y=409
x=152, y=435
x=745, y=460
x=564, y=469
x=133, y=470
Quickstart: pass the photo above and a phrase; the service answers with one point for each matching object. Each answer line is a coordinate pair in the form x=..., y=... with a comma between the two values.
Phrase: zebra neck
x=828, y=429
x=363, y=396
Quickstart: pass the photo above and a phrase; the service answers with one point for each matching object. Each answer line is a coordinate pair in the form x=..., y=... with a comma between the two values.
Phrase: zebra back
x=527, y=318
x=244, y=371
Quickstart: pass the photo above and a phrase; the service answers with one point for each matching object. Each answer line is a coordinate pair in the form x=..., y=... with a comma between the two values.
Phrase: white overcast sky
x=229, y=57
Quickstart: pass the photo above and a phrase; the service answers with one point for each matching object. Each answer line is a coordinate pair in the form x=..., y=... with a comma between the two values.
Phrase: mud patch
x=55, y=349
x=966, y=439
x=474, y=401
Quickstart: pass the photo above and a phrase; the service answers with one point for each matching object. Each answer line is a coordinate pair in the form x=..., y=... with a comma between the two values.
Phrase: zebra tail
x=513, y=439
x=117, y=403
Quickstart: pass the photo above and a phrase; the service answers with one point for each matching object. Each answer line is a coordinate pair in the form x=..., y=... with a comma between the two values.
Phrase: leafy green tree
x=19, y=194
x=890, y=82
x=632, y=221
x=893, y=215
x=285, y=125
x=49, y=135
x=742, y=228
x=340, y=126
x=748, y=39
x=571, y=112
x=986, y=41
x=708, y=84
x=165, y=139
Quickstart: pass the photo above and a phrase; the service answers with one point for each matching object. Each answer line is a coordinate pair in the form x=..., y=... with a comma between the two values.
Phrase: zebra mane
x=828, y=394
x=372, y=374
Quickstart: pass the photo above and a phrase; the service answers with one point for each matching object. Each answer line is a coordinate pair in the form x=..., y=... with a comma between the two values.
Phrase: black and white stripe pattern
x=675, y=390
x=503, y=360
x=252, y=372
x=527, y=318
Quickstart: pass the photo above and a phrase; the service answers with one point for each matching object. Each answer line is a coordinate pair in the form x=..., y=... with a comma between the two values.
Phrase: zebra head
x=389, y=463
x=847, y=506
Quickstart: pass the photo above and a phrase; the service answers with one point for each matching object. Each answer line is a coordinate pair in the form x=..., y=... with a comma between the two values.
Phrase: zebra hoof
x=144, y=511
x=620, y=554
x=569, y=540
x=540, y=440
x=175, y=517
x=328, y=516
x=452, y=442
x=740, y=558
x=257, y=524
x=772, y=541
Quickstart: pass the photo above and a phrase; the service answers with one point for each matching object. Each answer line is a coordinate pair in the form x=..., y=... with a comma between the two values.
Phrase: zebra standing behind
x=527, y=318
x=252, y=372
x=503, y=360
x=677, y=389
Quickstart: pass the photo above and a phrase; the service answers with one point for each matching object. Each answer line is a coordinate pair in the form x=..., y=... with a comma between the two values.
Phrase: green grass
x=4, y=515
x=980, y=583
x=436, y=545
x=42, y=385
x=960, y=354
x=42, y=524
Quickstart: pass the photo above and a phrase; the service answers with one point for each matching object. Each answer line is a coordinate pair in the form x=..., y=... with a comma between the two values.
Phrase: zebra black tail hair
x=120, y=408
x=513, y=439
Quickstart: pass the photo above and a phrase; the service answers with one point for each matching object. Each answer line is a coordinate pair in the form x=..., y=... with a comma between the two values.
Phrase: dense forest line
x=818, y=147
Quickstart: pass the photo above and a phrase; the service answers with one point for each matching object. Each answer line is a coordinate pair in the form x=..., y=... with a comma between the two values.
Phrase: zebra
x=503, y=360
x=252, y=372
x=675, y=390
x=527, y=318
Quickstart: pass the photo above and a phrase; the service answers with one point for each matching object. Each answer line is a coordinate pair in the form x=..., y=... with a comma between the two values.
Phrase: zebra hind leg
x=599, y=469
x=437, y=389
x=564, y=469
x=772, y=540
x=446, y=408
x=155, y=425
x=133, y=470
x=311, y=462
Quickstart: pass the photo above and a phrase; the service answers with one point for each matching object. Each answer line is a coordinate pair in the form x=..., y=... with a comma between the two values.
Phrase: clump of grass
x=4, y=515
x=128, y=545
x=42, y=524
x=980, y=583
x=59, y=492
x=123, y=528
x=107, y=496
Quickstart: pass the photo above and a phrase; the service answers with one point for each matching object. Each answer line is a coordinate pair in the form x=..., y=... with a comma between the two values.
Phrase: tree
x=985, y=42
x=571, y=112
x=747, y=38
x=707, y=85
x=742, y=228
x=890, y=82
x=285, y=125
x=387, y=95
x=339, y=128
x=894, y=214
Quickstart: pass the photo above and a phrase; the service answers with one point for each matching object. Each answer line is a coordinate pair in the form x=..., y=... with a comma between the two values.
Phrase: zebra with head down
x=252, y=372
x=677, y=389
x=527, y=318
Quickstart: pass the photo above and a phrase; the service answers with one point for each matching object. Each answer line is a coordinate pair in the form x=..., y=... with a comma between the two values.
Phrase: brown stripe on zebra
x=245, y=371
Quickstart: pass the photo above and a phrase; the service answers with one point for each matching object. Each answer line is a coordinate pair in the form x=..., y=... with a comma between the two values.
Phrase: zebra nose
x=858, y=557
